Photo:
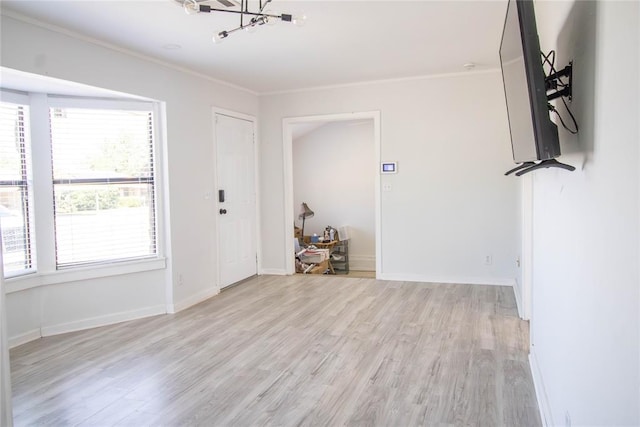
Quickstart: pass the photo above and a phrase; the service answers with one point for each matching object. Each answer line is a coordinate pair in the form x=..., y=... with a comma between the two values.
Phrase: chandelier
x=249, y=20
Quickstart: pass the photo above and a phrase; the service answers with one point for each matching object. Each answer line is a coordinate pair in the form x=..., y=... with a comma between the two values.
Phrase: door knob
x=223, y=211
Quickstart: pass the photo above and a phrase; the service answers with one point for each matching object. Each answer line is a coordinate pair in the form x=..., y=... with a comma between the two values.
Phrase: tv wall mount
x=553, y=82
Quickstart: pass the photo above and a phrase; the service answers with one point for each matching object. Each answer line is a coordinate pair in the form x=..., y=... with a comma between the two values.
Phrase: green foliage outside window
x=87, y=200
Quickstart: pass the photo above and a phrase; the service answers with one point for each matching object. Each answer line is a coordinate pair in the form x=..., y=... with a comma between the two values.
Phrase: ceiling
x=343, y=42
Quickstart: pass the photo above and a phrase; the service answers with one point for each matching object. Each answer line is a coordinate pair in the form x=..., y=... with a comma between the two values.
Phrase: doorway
x=236, y=208
x=322, y=168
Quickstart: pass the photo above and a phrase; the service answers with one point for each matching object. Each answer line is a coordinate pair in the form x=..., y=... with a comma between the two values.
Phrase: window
x=80, y=172
x=15, y=189
x=103, y=185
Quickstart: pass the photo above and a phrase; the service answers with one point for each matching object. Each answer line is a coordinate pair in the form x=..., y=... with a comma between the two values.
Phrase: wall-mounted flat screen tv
x=533, y=135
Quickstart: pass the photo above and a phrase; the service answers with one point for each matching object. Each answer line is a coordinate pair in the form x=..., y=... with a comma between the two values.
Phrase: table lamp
x=305, y=213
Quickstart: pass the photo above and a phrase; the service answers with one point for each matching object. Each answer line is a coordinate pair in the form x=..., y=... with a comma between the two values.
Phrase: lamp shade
x=305, y=212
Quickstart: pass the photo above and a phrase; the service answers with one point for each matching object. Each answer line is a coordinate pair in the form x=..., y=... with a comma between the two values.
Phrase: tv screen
x=533, y=135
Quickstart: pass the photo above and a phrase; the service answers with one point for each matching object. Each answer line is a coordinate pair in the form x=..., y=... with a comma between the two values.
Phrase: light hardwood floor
x=298, y=350
x=362, y=274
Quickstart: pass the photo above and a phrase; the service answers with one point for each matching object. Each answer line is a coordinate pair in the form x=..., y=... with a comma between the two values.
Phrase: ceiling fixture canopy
x=249, y=20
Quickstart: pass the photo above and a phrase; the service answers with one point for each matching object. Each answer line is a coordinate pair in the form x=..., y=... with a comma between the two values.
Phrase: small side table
x=327, y=245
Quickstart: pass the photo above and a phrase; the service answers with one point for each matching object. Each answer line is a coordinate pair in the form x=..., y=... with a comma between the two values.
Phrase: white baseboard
x=494, y=281
x=192, y=300
x=518, y=294
x=273, y=272
x=541, y=394
x=362, y=262
x=108, y=319
x=24, y=338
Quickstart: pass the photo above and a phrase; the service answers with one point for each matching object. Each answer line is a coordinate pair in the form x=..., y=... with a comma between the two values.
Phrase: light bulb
x=191, y=7
x=219, y=37
x=300, y=20
x=270, y=21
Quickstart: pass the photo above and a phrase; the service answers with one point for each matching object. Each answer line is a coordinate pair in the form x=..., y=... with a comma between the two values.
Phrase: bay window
x=94, y=183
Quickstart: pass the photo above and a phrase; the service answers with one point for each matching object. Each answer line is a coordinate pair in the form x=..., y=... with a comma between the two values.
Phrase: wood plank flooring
x=297, y=350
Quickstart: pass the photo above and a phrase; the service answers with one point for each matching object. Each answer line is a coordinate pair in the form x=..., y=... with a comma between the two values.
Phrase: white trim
x=378, y=82
x=541, y=394
x=526, y=258
x=35, y=280
x=24, y=338
x=67, y=32
x=41, y=168
x=273, y=272
x=287, y=144
x=11, y=97
x=491, y=281
x=256, y=165
x=289, y=217
x=235, y=114
x=256, y=184
x=193, y=300
x=107, y=319
x=163, y=201
x=377, y=138
x=518, y=295
x=6, y=408
x=56, y=101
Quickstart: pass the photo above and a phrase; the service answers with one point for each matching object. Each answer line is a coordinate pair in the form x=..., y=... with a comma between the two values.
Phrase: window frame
x=101, y=104
x=21, y=99
x=43, y=239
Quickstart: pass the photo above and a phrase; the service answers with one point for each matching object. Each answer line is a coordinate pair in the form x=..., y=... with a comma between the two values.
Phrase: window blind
x=103, y=183
x=15, y=189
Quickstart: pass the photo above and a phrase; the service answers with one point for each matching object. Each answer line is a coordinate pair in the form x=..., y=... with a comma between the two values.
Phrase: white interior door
x=237, y=236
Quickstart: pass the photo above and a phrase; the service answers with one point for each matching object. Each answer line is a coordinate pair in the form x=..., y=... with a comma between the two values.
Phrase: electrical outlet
x=518, y=261
x=487, y=260
x=180, y=281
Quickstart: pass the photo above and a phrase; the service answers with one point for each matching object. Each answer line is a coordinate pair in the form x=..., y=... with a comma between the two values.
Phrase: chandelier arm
x=209, y=9
x=243, y=7
x=262, y=6
x=233, y=30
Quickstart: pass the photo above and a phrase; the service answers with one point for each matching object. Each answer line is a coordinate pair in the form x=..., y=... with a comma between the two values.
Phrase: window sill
x=28, y=281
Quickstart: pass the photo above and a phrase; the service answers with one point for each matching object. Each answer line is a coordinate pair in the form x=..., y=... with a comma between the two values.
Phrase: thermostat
x=389, y=167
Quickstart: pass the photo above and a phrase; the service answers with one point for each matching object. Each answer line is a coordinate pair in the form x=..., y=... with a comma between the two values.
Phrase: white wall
x=334, y=171
x=450, y=204
x=584, y=325
x=6, y=409
x=190, y=173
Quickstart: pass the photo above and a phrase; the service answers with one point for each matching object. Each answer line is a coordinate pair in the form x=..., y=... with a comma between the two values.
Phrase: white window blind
x=103, y=182
x=15, y=189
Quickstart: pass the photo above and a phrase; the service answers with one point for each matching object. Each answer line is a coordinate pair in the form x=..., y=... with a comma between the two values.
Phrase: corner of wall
x=192, y=300
x=541, y=395
x=517, y=292
x=24, y=338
